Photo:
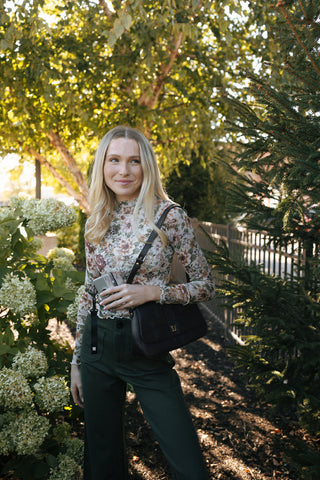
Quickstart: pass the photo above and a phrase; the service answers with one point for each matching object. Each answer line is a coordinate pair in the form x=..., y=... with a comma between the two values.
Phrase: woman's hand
x=126, y=296
x=76, y=385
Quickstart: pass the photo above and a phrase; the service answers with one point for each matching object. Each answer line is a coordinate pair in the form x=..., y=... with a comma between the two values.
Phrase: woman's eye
x=136, y=160
x=113, y=160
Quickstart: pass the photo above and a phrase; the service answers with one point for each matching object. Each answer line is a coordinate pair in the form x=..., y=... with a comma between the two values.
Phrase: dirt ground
x=240, y=438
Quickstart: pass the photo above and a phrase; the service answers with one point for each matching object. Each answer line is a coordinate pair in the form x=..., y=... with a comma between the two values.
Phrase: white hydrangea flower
x=75, y=449
x=6, y=213
x=6, y=443
x=18, y=295
x=31, y=363
x=7, y=216
x=67, y=469
x=72, y=313
x=52, y=393
x=63, y=263
x=62, y=258
x=70, y=285
x=17, y=201
x=15, y=391
x=72, y=310
x=28, y=431
x=47, y=215
x=61, y=431
x=61, y=252
x=44, y=215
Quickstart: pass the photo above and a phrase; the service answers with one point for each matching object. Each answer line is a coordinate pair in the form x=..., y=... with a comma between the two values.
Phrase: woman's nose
x=124, y=168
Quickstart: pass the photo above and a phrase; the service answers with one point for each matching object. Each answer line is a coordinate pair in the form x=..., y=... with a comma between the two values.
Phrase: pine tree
x=279, y=141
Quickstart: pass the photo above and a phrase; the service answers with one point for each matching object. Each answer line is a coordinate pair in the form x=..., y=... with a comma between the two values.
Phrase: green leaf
x=8, y=336
x=3, y=44
x=118, y=29
x=76, y=276
x=42, y=283
x=41, y=470
x=51, y=460
x=4, y=349
x=126, y=21
x=3, y=271
x=44, y=298
x=63, y=306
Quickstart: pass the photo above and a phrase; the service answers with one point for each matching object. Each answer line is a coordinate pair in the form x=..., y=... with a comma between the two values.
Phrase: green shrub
x=279, y=321
x=34, y=393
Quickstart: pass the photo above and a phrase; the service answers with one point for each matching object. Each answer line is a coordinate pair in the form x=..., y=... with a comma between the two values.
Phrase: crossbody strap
x=140, y=258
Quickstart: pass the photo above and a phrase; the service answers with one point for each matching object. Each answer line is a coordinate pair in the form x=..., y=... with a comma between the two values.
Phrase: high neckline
x=126, y=206
x=127, y=203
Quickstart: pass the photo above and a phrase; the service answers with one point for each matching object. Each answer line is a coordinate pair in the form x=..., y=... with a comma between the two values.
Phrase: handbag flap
x=161, y=321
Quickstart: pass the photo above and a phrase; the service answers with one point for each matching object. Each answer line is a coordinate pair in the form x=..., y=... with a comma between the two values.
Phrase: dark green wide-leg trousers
x=157, y=387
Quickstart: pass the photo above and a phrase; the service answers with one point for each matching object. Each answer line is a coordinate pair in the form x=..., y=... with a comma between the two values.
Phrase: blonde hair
x=102, y=200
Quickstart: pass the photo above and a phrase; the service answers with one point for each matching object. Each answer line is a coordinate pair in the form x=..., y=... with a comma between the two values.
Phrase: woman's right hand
x=76, y=385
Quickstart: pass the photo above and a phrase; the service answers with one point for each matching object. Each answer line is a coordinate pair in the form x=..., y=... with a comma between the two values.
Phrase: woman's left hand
x=126, y=296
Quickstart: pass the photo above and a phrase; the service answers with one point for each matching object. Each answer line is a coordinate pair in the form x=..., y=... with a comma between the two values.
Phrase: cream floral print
x=122, y=244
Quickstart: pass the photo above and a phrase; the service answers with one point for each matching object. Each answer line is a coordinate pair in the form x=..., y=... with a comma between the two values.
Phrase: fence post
x=229, y=236
x=308, y=256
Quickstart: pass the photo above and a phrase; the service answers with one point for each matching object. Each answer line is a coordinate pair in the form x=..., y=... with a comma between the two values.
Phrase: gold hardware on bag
x=173, y=328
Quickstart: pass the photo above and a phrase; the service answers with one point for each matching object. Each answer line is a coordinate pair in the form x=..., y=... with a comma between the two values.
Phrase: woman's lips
x=124, y=182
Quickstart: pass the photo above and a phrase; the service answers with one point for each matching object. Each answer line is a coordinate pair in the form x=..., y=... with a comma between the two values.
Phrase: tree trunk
x=69, y=162
x=81, y=199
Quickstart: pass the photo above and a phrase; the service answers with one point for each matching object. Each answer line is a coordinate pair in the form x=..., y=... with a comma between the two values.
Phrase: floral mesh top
x=122, y=244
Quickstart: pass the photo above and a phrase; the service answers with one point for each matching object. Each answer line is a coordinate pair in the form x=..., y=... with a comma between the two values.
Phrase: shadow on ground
x=240, y=439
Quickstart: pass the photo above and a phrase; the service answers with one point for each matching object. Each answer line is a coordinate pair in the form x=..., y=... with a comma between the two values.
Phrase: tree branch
x=82, y=201
x=68, y=160
x=308, y=22
x=281, y=7
x=299, y=77
x=150, y=100
x=302, y=8
x=106, y=10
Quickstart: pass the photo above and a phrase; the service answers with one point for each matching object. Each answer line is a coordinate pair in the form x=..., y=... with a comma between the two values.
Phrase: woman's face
x=122, y=169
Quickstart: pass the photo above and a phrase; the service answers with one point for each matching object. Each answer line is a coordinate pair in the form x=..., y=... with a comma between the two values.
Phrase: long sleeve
x=181, y=236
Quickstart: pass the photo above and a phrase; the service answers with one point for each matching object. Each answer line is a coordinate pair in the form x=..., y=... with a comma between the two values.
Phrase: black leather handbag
x=159, y=328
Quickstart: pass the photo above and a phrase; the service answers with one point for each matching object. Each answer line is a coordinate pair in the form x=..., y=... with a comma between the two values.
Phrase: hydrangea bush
x=25, y=401
x=35, y=408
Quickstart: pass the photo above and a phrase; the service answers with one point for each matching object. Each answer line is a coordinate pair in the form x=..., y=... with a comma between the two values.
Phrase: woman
x=126, y=200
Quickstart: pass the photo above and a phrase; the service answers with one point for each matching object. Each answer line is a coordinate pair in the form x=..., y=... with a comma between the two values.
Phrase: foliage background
x=276, y=190
x=182, y=71
x=71, y=71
